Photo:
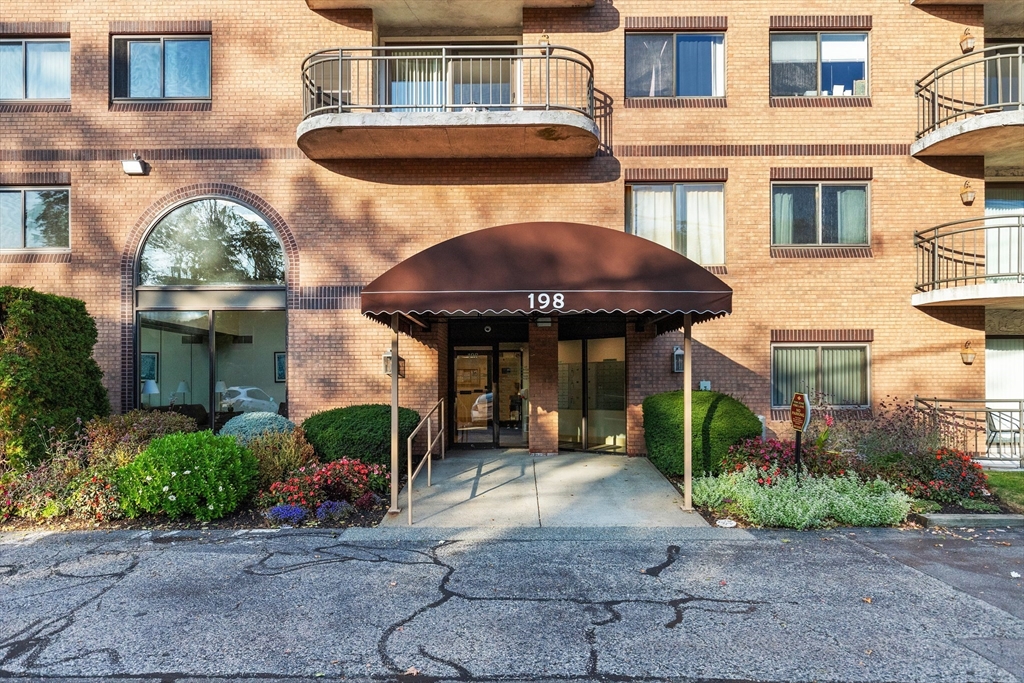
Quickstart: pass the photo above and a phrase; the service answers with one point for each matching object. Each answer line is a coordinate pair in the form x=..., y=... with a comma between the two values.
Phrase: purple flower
x=291, y=514
x=333, y=510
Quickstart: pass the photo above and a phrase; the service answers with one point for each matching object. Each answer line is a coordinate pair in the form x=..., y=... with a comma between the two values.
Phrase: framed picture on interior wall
x=279, y=366
x=149, y=366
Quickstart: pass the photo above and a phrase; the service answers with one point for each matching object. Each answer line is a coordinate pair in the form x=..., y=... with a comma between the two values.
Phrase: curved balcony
x=453, y=101
x=972, y=106
x=977, y=262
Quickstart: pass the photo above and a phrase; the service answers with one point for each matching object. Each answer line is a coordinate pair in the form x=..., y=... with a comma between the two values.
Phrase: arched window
x=212, y=242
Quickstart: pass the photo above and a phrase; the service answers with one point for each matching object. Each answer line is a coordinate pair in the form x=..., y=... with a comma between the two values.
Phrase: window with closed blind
x=837, y=373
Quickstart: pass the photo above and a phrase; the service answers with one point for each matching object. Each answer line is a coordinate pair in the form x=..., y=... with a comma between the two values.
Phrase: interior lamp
x=967, y=354
x=182, y=389
x=149, y=387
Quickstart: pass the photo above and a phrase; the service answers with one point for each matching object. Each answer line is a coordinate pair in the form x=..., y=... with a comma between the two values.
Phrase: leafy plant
x=333, y=511
x=924, y=507
x=360, y=432
x=248, y=426
x=117, y=439
x=719, y=421
x=278, y=454
x=196, y=474
x=48, y=377
x=979, y=505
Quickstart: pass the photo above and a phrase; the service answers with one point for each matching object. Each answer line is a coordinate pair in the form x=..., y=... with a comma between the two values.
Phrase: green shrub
x=195, y=474
x=719, y=421
x=278, y=454
x=248, y=426
x=117, y=439
x=48, y=377
x=360, y=432
x=814, y=502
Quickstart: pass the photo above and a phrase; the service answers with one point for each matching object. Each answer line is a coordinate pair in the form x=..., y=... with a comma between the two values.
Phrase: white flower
x=166, y=489
x=187, y=472
x=149, y=478
x=174, y=474
x=220, y=488
x=211, y=506
x=172, y=497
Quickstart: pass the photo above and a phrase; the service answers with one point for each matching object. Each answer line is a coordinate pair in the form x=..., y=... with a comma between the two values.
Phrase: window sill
x=855, y=412
x=795, y=252
x=21, y=106
x=821, y=101
x=675, y=103
x=32, y=256
x=161, y=105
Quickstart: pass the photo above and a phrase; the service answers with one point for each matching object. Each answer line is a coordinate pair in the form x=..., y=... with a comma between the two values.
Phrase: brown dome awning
x=593, y=269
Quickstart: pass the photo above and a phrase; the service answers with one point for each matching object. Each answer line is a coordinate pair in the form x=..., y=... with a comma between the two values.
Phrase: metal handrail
x=976, y=83
x=447, y=78
x=989, y=429
x=429, y=457
x=970, y=252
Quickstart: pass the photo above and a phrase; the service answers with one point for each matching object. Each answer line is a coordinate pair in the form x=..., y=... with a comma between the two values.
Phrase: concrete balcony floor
x=449, y=135
x=989, y=294
x=998, y=136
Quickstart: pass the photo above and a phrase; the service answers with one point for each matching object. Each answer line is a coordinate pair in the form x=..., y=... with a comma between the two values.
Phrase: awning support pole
x=394, y=415
x=687, y=413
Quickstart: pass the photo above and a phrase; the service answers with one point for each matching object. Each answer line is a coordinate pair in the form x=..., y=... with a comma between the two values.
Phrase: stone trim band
x=35, y=28
x=820, y=252
x=197, y=26
x=676, y=23
x=823, y=102
x=161, y=106
x=36, y=257
x=838, y=150
x=674, y=103
x=35, y=178
x=819, y=22
x=165, y=154
x=330, y=297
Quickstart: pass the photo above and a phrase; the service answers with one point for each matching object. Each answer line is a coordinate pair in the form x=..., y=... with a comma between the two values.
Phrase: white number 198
x=544, y=300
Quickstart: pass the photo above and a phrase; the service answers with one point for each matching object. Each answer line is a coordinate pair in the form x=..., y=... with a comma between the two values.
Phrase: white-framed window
x=35, y=218
x=160, y=67
x=35, y=69
x=812, y=64
x=675, y=65
x=840, y=372
x=686, y=217
x=820, y=214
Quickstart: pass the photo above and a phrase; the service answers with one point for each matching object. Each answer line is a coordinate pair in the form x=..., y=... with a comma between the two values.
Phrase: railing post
x=1020, y=433
x=547, y=77
x=430, y=450
x=935, y=261
x=443, y=429
x=935, y=99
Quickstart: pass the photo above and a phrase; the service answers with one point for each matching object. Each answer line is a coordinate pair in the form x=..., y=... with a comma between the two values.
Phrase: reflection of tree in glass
x=47, y=219
x=211, y=242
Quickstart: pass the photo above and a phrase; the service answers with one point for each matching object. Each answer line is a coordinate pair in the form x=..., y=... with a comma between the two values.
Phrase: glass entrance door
x=474, y=399
x=592, y=394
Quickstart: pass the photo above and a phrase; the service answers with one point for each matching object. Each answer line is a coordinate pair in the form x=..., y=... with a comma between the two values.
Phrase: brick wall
x=544, y=388
x=352, y=220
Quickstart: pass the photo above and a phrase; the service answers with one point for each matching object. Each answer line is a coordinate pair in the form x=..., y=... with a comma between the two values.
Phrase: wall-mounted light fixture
x=967, y=193
x=386, y=363
x=677, y=359
x=967, y=41
x=135, y=165
x=543, y=322
x=967, y=354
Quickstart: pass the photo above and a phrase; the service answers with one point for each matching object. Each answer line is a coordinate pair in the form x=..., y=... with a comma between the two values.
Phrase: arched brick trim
x=131, y=249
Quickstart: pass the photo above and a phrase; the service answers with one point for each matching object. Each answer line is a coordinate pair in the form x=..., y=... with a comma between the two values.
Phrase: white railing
x=988, y=429
x=431, y=442
x=981, y=82
x=447, y=78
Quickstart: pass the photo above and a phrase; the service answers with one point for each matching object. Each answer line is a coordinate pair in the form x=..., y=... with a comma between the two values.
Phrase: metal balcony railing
x=971, y=252
x=449, y=78
x=981, y=82
x=988, y=429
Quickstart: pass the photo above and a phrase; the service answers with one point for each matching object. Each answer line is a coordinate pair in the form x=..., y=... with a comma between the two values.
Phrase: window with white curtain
x=1004, y=209
x=819, y=213
x=819, y=64
x=686, y=217
x=839, y=373
x=675, y=65
x=35, y=69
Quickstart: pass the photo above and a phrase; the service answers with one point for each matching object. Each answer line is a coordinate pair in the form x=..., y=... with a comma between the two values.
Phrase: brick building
x=220, y=180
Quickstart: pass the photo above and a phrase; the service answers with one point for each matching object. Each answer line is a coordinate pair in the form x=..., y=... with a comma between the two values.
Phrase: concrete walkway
x=511, y=488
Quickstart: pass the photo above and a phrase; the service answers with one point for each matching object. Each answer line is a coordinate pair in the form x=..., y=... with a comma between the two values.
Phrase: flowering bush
x=368, y=501
x=278, y=454
x=197, y=474
x=42, y=491
x=333, y=510
x=95, y=496
x=286, y=514
x=815, y=502
x=310, y=486
x=778, y=454
x=952, y=476
x=248, y=426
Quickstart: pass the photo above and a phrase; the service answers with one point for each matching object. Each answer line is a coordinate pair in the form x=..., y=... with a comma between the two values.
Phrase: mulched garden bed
x=243, y=519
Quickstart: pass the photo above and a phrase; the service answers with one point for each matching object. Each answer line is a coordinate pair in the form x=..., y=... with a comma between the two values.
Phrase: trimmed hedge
x=719, y=421
x=361, y=432
x=47, y=372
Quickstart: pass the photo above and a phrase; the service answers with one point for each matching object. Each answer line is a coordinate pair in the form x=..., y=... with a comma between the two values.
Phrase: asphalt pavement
x=513, y=604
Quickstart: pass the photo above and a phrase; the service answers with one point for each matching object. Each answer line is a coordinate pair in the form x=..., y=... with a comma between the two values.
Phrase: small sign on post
x=800, y=415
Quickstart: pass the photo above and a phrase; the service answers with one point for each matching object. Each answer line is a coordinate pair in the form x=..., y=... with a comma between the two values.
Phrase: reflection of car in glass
x=481, y=409
x=248, y=400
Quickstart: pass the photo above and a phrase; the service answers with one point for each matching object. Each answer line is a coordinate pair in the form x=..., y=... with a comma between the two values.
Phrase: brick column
x=544, y=388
